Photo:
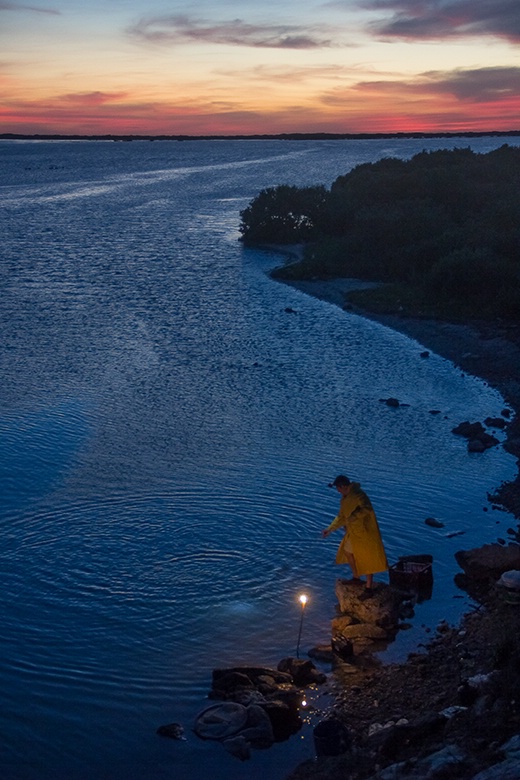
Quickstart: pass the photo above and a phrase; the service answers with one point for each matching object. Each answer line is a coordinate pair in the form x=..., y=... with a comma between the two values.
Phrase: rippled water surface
x=168, y=430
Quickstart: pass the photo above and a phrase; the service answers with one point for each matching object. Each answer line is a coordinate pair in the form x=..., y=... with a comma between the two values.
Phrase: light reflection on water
x=168, y=430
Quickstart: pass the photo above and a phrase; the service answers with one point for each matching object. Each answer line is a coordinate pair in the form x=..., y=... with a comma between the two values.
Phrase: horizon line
x=255, y=136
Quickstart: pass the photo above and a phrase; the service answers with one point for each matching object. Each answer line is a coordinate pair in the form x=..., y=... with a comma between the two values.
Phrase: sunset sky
x=244, y=66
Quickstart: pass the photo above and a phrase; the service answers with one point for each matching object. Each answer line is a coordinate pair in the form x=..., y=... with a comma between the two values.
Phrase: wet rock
x=230, y=683
x=433, y=523
x=364, y=630
x=425, y=354
x=392, y=739
x=171, y=730
x=451, y=761
x=331, y=737
x=324, y=653
x=220, y=721
x=495, y=422
x=469, y=430
x=488, y=562
x=394, y=402
x=258, y=731
x=478, y=439
x=486, y=439
x=285, y=719
x=302, y=672
x=381, y=610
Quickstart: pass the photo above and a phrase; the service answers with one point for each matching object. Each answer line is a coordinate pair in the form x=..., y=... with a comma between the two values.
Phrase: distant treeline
x=442, y=229
x=255, y=136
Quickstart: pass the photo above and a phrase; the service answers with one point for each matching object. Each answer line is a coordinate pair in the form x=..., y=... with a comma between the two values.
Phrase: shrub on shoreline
x=445, y=224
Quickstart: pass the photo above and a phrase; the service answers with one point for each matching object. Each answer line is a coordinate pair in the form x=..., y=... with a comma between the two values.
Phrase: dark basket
x=412, y=572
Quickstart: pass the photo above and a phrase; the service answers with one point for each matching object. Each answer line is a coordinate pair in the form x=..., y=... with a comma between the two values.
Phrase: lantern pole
x=303, y=602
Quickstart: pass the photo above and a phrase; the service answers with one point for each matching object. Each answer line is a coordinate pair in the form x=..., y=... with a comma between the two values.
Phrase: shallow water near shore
x=168, y=430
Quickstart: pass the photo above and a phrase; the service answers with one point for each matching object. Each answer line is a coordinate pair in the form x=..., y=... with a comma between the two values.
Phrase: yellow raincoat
x=362, y=536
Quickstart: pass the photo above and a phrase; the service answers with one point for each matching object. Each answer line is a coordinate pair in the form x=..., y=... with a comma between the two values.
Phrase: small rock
x=324, y=653
x=495, y=422
x=425, y=354
x=469, y=430
x=302, y=672
x=433, y=523
x=172, y=730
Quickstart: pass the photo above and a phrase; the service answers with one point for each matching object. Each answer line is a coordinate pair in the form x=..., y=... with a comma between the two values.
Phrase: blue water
x=168, y=430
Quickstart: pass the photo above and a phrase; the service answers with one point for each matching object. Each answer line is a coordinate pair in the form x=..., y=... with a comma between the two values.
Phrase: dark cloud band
x=178, y=29
x=437, y=19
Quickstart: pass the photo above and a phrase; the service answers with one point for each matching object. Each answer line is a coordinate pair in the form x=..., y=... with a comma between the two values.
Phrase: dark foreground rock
x=488, y=562
x=259, y=705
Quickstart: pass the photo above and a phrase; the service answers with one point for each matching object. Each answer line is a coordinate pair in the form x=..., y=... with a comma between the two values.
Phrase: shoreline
x=490, y=351
x=395, y=713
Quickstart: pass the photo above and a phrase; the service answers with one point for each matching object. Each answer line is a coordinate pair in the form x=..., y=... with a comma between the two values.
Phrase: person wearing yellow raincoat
x=362, y=546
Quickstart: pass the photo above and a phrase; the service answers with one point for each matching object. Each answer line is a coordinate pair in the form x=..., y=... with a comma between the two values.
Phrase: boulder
x=488, y=562
x=302, y=672
x=469, y=430
x=449, y=762
x=478, y=439
x=324, y=653
x=381, y=610
x=221, y=721
x=258, y=730
x=285, y=720
x=495, y=422
x=365, y=630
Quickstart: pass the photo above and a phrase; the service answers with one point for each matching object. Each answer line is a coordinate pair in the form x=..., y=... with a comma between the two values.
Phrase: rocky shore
x=452, y=710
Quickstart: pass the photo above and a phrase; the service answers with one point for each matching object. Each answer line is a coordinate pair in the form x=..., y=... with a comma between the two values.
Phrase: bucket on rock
x=331, y=738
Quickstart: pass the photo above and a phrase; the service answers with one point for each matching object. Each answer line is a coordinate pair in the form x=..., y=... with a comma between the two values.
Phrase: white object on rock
x=510, y=579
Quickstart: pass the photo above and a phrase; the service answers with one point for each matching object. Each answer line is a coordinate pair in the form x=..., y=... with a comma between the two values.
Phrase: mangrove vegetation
x=440, y=231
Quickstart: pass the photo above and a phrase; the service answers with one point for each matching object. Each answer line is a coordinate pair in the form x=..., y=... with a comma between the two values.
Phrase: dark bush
x=446, y=223
x=284, y=215
x=475, y=277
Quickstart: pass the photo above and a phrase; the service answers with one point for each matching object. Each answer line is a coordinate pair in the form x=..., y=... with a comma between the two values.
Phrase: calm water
x=168, y=430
